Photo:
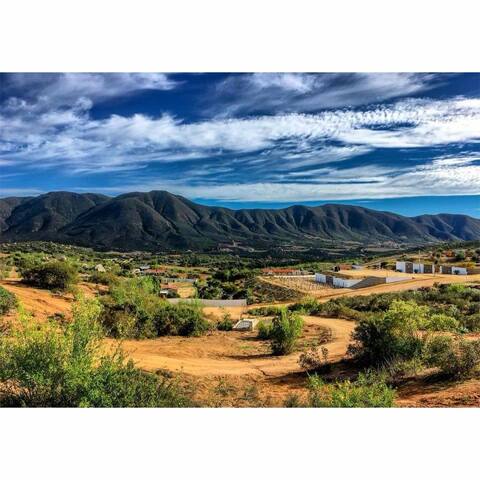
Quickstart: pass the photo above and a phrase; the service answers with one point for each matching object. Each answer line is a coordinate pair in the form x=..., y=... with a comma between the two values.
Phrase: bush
x=8, y=301
x=285, y=331
x=5, y=269
x=454, y=357
x=265, y=311
x=380, y=339
x=225, y=324
x=48, y=365
x=313, y=360
x=264, y=331
x=369, y=390
x=133, y=310
x=439, y=322
x=103, y=278
x=52, y=276
x=307, y=306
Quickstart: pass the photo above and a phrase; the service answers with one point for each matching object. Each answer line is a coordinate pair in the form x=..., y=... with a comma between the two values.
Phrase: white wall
x=397, y=279
x=320, y=278
x=400, y=266
x=418, y=268
x=344, y=282
x=459, y=270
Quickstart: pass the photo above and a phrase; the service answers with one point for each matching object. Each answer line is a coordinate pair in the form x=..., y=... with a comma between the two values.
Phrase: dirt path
x=231, y=353
x=43, y=303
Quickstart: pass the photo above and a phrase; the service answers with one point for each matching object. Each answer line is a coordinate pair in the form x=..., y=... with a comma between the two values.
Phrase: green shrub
x=103, y=278
x=439, y=322
x=184, y=319
x=226, y=323
x=5, y=269
x=49, y=365
x=394, y=335
x=8, y=301
x=369, y=390
x=133, y=310
x=285, y=331
x=265, y=311
x=52, y=276
x=264, y=330
x=471, y=322
x=454, y=357
x=306, y=306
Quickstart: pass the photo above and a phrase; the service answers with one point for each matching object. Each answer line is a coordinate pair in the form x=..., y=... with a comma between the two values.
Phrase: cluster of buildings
x=412, y=267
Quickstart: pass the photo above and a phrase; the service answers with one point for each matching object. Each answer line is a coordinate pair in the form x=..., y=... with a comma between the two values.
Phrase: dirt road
x=232, y=353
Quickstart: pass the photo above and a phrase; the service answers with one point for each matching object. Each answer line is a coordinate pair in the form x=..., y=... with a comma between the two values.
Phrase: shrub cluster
x=103, y=278
x=394, y=335
x=460, y=303
x=50, y=365
x=264, y=330
x=134, y=310
x=226, y=324
x=369, y=390
x=8, y=301
x=454, y=357
x=55, y=275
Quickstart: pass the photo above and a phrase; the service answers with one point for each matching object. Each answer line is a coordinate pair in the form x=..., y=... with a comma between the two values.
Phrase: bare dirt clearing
x=43, y=303
x=232, y=353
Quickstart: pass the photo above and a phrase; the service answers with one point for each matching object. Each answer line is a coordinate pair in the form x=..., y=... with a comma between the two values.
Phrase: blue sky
x=403, y=142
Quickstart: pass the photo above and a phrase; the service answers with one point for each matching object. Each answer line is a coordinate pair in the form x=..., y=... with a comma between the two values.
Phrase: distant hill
x=161, y=220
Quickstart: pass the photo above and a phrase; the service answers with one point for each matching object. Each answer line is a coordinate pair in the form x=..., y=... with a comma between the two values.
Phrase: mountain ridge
x=161, y=220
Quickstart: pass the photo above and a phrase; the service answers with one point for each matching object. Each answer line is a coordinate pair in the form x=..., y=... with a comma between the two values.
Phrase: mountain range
x=159, y=220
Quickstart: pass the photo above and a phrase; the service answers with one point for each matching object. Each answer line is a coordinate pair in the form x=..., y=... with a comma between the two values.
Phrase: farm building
x=456, y=270
x=411, y=267
x=342, y=281
x=453, y=270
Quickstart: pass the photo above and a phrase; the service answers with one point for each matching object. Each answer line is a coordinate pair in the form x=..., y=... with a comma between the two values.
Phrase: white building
x=337, y=282
x=410, y=267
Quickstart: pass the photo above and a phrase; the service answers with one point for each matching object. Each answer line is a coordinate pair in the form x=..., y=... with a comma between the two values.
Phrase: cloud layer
x=305, y=148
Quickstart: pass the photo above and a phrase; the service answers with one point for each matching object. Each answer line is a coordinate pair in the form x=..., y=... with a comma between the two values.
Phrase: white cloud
x=69, y=139
x=45, y=90
x=327, y=183
x=307, y=92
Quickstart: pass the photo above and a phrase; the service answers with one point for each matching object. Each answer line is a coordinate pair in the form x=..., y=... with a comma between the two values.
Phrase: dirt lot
x=236, y=369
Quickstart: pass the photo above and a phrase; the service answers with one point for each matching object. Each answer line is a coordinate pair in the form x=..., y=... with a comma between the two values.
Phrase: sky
x=402, y=142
